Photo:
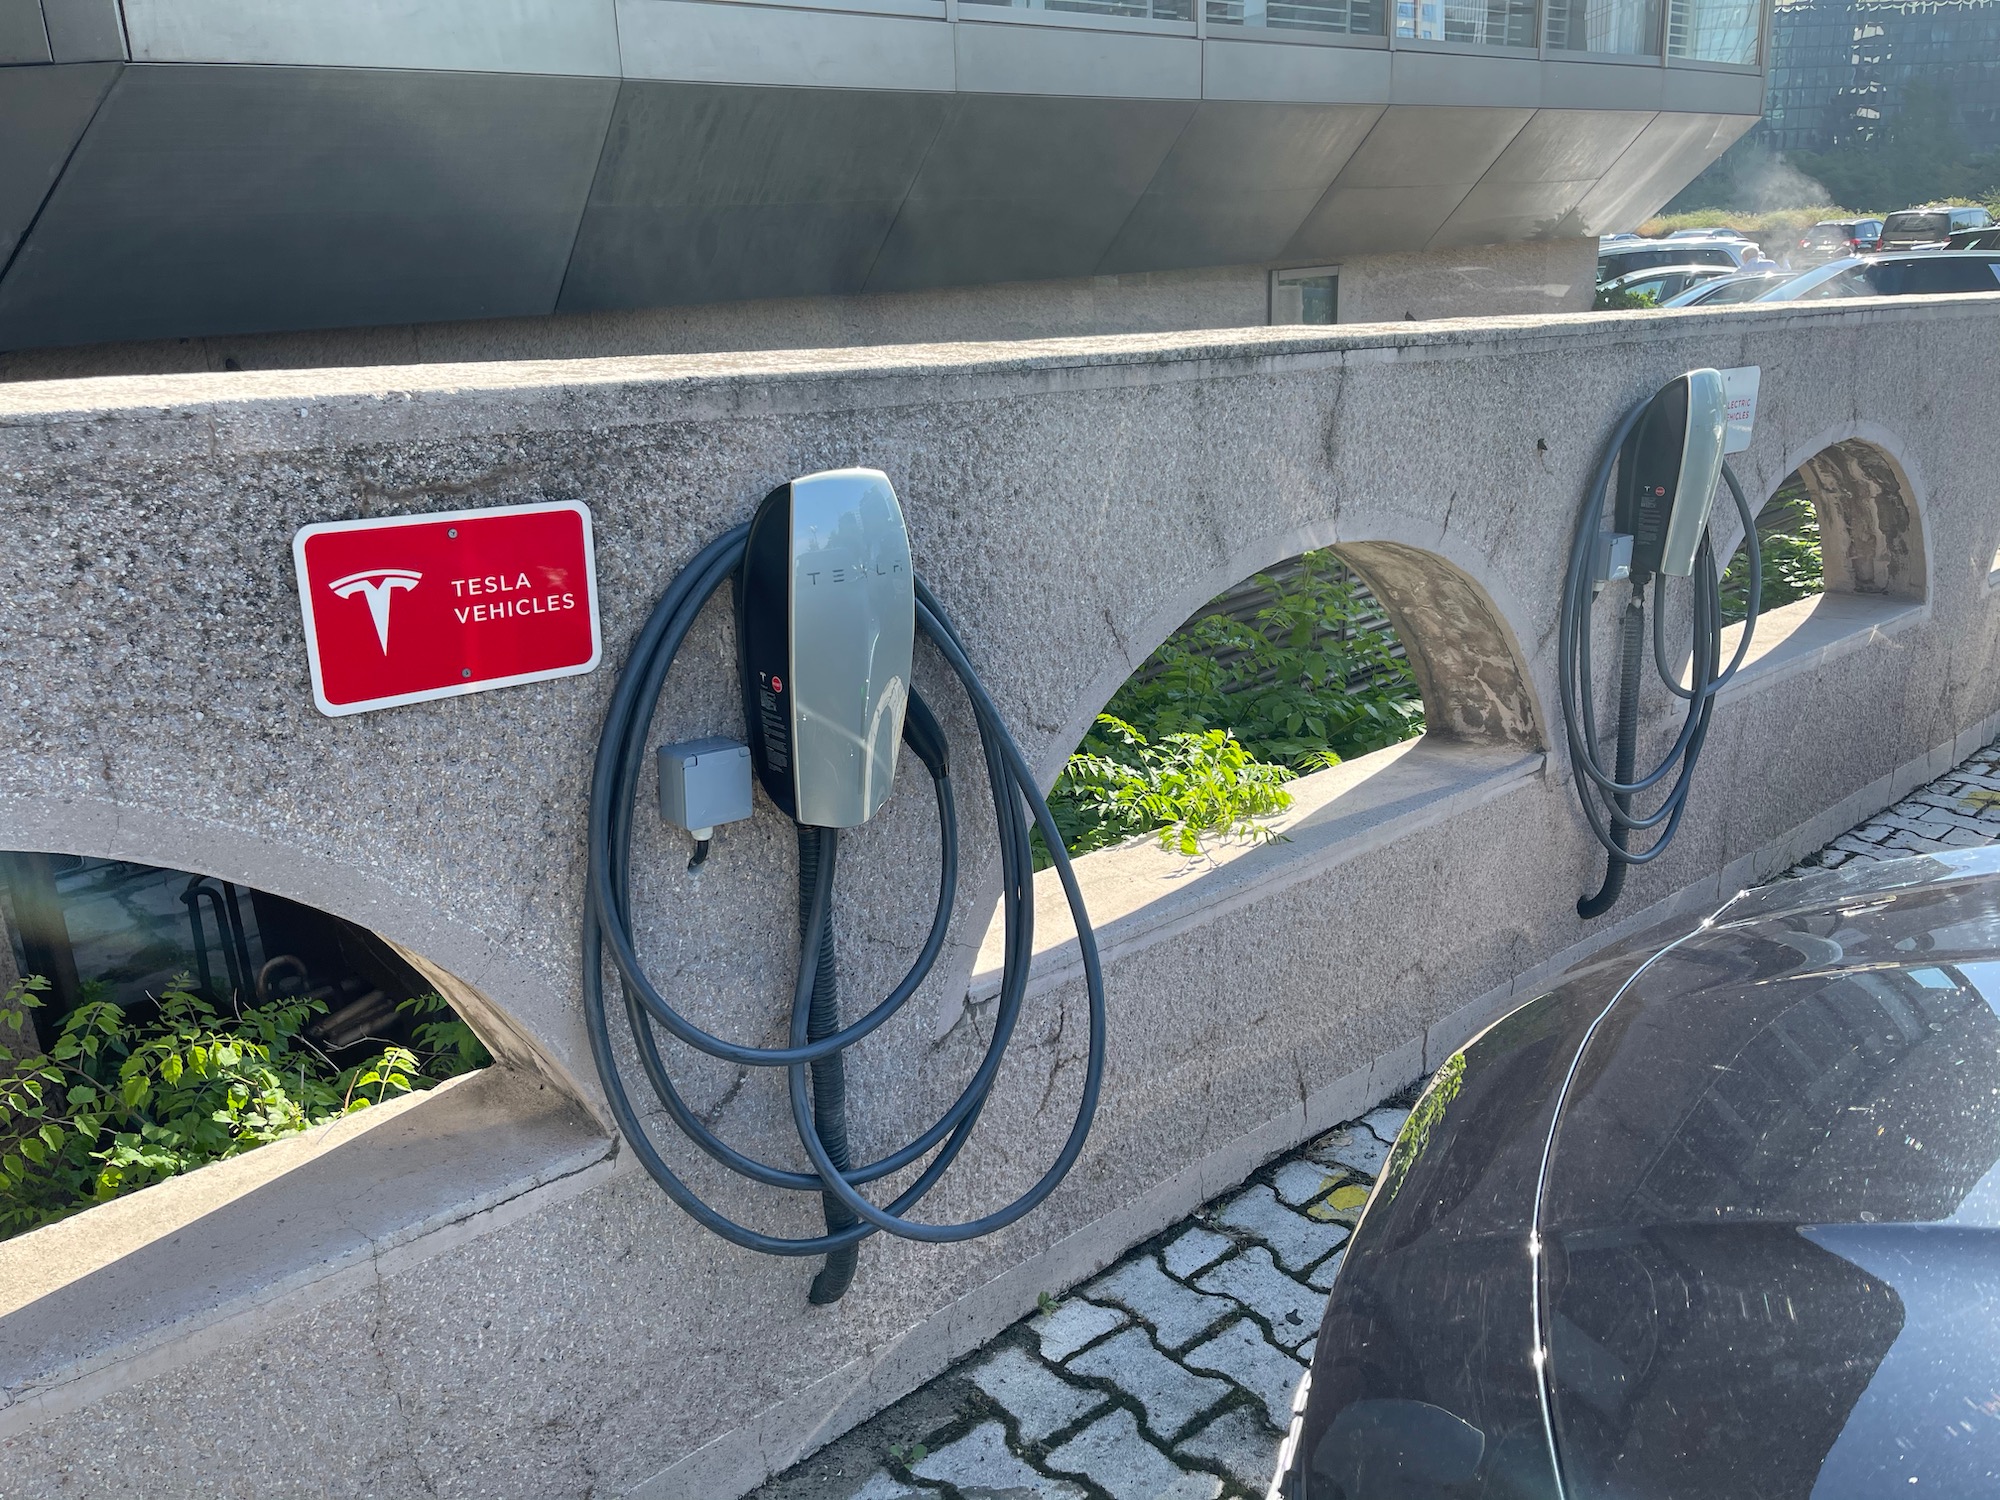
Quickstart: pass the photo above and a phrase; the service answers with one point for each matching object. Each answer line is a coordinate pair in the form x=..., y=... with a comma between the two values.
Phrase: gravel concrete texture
x=1071, y=502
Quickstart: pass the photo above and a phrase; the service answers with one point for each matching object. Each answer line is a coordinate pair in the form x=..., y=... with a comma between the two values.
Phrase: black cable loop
x=608, y=932
x=1606, y=795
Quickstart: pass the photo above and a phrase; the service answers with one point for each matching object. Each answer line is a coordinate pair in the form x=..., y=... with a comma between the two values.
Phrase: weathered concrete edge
x=158, y=1351
x=780, y=1436
x=1176, y=912
x=1874, y=617
x=219, y=412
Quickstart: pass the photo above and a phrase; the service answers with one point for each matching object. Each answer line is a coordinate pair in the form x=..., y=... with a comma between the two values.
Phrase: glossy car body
x=1721, y=291
x=1987, y=238
x=1648, y=255
x=1915, y=228
x=1833, y=239
x=1658, y=282
x=1912, y=274
x=1717, y=1218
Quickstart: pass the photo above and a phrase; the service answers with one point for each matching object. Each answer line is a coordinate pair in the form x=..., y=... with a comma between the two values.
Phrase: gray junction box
x=704, y=783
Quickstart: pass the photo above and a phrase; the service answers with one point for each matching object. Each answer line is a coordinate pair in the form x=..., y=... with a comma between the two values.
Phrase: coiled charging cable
x=1607, y=795
x=817, y=1040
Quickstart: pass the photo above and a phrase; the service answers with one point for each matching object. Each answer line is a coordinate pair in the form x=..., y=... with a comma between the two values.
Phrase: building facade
x=199, y=168
x=1840, y=67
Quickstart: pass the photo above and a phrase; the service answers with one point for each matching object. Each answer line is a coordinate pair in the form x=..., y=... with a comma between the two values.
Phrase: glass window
x=1624, y=26
x=1475, y=23
x=1144, y=10
x=1341, y=17
x=1306, y=294
x=1722, y=31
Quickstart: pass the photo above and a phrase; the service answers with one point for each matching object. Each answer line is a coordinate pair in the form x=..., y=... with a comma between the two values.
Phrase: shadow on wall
x=156, y=1021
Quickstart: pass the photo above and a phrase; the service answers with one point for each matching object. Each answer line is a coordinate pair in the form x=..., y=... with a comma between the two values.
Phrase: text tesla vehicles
x=1718, y=1218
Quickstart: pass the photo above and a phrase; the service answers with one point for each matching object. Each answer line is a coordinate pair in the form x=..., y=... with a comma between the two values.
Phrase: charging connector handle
x=1607, y=796
x=607, y=933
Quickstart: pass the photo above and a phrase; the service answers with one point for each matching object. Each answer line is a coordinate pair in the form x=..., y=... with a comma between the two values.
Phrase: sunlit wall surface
x=1723, y=31
x=1628, y=27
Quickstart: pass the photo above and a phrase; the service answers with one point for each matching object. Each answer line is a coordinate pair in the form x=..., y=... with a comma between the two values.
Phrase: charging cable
x=1607, y=795
x=817, y=1039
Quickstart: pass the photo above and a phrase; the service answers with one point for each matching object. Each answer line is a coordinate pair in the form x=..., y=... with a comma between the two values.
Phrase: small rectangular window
x=1306, y=294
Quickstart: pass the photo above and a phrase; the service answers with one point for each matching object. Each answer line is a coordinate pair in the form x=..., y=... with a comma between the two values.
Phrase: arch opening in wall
x=1871, y=536
x=1292, y=670
x=1322, y=659
x=1425, y=710
x=158, y=1021
x=1842, y=554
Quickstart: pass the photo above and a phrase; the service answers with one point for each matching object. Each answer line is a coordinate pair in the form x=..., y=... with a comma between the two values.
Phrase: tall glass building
x=1839, y=67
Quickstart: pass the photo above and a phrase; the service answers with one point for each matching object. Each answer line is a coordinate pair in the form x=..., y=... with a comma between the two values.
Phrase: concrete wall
x=476, y=1294
x=1539, y=276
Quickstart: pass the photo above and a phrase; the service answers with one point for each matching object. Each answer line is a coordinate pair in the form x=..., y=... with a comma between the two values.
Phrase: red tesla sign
x=404, y=608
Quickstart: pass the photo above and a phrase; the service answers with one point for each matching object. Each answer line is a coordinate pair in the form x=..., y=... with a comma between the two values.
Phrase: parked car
x=1908, y=275
x=1975, y=239
x=1646, y=255
x=1914, y=228
x=1659, y=283
x=1719, y=291
x=1718, y=232
x=1833, y=239
x=1719, y=1218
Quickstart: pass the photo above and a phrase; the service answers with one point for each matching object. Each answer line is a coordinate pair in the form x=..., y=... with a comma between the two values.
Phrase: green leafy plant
x=1606, y=301
x=1312, y=679
x=1204, y=735
x=1793, y=566
x=118, y=1103
x=1187, y=785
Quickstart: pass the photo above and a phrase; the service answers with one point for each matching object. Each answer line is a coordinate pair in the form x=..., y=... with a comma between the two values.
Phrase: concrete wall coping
x=1139, y=894
x=1121, y=359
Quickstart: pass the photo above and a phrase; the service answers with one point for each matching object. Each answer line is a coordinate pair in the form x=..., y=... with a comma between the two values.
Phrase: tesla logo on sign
x=377, y=586
x=400, y=609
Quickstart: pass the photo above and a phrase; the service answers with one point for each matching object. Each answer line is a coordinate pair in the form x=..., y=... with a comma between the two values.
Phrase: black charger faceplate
x=1649, y=476
x=764, y=647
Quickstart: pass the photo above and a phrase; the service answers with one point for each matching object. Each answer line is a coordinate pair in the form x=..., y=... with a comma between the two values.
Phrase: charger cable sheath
x=1607, y=795
x=815, y=1035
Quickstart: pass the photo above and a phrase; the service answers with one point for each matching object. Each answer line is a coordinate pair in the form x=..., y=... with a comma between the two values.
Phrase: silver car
x=1658, y=282
x=1721, y=291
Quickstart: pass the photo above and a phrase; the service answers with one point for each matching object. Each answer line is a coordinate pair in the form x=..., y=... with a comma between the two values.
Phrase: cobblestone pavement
x=1171, y=1375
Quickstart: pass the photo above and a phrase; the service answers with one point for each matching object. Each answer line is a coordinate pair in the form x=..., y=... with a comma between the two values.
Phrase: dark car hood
x=1744, y=1191
x=1771, y=1265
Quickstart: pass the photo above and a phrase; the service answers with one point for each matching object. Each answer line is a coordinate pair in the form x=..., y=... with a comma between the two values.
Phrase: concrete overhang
x=178, y=168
